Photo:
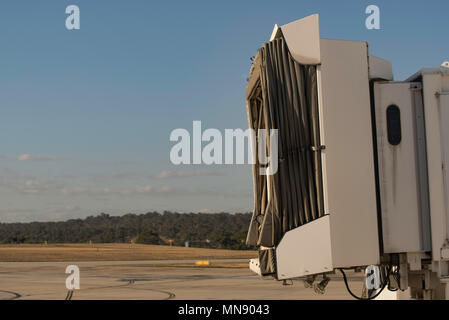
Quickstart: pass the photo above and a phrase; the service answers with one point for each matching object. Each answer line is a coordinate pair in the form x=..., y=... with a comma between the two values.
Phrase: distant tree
x=148, y=237
x=224, y=230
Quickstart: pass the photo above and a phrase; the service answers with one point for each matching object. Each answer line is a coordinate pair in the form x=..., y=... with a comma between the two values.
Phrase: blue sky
x=85, y=115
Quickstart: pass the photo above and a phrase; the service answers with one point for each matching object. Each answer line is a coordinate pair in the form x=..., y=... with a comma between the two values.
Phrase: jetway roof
x=302, y=38
x=304, y=43
x=425, y=71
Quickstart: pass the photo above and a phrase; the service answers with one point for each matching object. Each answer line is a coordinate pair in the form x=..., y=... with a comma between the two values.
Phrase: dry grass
x=112, y=252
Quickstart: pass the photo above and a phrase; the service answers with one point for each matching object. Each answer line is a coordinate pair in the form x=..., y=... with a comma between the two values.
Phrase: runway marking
x=170, y=295
x=127, y=285
x=15, y=295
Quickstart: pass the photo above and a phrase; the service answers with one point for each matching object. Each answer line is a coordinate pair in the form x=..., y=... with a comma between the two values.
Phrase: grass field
x=112, y=252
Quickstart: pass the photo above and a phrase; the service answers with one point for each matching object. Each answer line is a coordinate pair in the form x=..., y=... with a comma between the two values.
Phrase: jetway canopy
x=362, y=177
x=285, y=97
x=318, y=211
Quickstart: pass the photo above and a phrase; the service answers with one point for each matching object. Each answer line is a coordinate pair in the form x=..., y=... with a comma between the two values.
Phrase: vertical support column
x=403, y=271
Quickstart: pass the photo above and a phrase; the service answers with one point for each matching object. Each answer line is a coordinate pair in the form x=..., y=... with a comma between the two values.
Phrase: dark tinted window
x=394, y=125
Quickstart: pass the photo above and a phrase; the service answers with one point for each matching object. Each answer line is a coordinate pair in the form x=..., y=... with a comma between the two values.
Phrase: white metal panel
x=348, y=161
x=305, y=250
x=380, y=69
x=303, y=39
x=443, y=106
x=431, y=85
x=398, y=171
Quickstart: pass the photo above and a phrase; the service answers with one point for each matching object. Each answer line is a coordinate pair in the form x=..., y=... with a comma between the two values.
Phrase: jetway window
x=394, y=125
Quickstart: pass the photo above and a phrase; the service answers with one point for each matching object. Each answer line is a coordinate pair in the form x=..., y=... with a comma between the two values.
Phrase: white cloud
x=183, y=174
x=145, y=190
x=30, y=183
x=105, y=177
x=34, y=186
x=20, y=183
x=34, y=157
x=136, y=190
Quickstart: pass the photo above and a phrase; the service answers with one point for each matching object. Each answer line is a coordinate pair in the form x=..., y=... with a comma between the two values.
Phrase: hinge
x=317, y=148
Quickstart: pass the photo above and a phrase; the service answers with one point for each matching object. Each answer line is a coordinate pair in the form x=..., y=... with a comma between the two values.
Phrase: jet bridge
x=362, y=163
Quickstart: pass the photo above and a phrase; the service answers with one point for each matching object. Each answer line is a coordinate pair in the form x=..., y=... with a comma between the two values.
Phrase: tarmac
x=156, y=280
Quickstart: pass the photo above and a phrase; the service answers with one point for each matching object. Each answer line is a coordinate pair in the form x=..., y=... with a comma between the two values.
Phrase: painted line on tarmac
x=15, y=295
x=170, y=295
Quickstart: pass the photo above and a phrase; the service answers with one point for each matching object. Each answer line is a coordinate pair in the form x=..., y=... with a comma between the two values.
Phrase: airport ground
x=173, y=274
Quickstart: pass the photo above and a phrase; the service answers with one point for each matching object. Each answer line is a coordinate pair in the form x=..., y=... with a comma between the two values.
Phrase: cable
x=387, y=282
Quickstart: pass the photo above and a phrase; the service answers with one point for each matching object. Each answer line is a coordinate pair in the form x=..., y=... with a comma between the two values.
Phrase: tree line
x=219, y=230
